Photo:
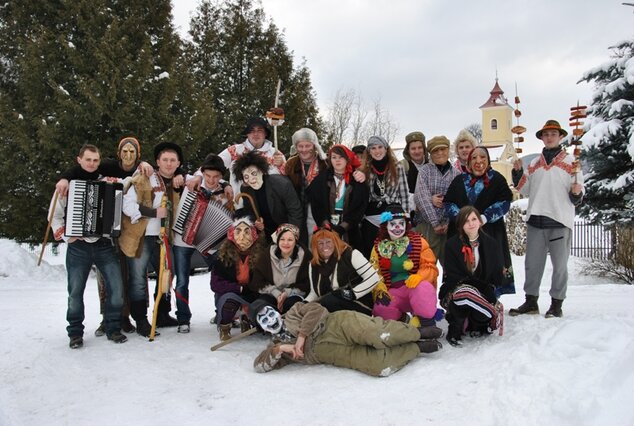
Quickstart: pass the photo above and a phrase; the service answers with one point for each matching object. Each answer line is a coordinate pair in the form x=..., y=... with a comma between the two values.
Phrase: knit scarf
x=322, y=273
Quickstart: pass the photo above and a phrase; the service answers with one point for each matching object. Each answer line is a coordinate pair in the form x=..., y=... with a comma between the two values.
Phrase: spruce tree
x=85, y=71
x=609, y=141
x=238, y=56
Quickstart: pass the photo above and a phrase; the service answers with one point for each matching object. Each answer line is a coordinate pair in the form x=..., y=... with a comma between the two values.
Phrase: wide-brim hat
x=164, y=146
x=256, y=122
x=551, y=125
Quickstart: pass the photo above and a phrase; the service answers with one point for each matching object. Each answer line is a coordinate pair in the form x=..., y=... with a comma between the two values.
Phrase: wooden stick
x=234, y=338
x=277, y=100
x=48, y=227
x=163, y=274
x=250, y=198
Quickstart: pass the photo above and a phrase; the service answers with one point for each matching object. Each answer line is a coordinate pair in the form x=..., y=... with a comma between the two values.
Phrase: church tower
x=497, y=121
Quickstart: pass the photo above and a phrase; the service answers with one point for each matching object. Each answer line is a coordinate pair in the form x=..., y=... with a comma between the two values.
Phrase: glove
x=345, y=293
x=381, y=295
x=413, y=280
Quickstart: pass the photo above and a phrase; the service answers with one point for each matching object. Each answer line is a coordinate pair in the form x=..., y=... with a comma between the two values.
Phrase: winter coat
x=270, y=277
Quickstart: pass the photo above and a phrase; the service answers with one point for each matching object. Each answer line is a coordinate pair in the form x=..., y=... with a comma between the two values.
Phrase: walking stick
x=48, y=227
x=164, y=277
x=234, y=338
x=250, y=198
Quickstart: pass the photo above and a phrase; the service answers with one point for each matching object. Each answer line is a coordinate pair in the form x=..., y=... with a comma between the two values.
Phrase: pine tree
x=239, y=58
x=86, y=71
x=609, y=142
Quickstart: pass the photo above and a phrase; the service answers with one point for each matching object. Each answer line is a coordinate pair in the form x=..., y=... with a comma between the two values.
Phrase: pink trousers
x=420, y=300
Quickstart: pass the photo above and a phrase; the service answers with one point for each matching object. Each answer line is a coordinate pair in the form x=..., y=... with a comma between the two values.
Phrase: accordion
x=93, y=209
x=201, y=221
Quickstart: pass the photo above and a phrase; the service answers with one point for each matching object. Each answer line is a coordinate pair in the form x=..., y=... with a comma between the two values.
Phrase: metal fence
x=592, y=241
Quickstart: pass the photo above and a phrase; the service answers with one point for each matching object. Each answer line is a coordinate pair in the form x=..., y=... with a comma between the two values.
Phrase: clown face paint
x=270, y=320
x=242, y=236
x=396, y=228
x=253, y=177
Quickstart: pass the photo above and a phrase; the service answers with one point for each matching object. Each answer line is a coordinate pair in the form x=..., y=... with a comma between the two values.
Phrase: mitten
x=381, y=295
x=345, y=293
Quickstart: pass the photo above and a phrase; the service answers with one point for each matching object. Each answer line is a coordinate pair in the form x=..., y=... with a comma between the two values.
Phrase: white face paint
x=396, y=228
x=270, y=320
x=253, y=177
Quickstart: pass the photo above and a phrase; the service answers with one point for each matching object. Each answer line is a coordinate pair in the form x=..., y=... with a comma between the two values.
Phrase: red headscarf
x=353, y=161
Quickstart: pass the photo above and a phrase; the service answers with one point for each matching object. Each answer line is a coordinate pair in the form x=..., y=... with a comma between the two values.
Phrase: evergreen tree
x=85, y=71
x=609, y=142
x=239, y=58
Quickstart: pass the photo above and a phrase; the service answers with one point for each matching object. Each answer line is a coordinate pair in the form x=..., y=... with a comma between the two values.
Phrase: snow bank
x=19, y=263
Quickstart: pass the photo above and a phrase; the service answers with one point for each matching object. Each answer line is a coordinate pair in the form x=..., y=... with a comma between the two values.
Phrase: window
x=494, y=124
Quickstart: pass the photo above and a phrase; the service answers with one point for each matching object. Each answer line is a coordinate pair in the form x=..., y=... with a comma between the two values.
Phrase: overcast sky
x=433, y=63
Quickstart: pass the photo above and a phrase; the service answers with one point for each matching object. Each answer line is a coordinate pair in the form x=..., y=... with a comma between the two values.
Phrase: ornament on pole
x=577, y=114
x=517, y=130
x=275, y=116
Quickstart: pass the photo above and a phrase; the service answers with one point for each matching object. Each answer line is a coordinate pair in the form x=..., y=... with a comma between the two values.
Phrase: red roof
x=497, y=97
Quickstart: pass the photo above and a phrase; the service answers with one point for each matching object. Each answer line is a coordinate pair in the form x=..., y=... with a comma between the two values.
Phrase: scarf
x=322, y=273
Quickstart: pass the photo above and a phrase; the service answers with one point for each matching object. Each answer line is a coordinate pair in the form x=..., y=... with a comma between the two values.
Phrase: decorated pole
x=275, y=116
x=164, y=278
x=577, y=114
x=517, y=130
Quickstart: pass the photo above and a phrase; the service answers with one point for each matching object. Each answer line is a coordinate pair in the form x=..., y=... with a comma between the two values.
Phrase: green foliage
x=609, y=141
x=239, y=57
x=85, y=71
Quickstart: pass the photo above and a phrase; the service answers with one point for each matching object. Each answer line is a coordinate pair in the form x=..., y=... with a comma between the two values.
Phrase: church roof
x=497, y=97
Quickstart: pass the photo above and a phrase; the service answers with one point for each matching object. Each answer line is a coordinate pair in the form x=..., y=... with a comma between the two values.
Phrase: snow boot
x=555, y=309
x=454, y=335
x=183, y=328
x=76, y=342
x=529, y=307
x=429, y=346
x=101, y=330
x=139, y=314
x=117, y=337
x=163, y=318
x=126, y=325
x=224, y=331
x=430, y=332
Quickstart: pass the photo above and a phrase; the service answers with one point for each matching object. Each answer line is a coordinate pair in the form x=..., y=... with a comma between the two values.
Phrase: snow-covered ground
x=578, y=370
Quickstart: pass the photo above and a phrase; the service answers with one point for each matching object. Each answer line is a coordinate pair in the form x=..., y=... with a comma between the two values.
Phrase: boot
x=163, y=318
x=245, y=324
x=126, y=325
x=431, y=332
x=224, y=331
x=555, y=309
x=139, y=314
x=117, y=337
x=429, y=346
x=454, y=335
x=101, y=330
x=529, y=307
x=76, y=342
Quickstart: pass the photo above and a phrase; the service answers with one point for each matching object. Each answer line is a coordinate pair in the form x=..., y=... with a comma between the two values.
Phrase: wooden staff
x=164, y=276
x=277, y=100
x=234, y=338
x=250, y=198
x=48, y=227
x=577, y=114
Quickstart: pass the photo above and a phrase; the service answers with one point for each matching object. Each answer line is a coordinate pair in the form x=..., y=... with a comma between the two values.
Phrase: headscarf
x=353, y=161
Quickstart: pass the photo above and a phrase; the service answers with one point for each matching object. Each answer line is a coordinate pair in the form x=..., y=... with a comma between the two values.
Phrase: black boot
x=432, y=332
x=163, y=318
x=126, y=325
x=454, y=335
x=555, y=309
x=139, y=314
x=101, y=330
x=429, y=346
x=529, y=307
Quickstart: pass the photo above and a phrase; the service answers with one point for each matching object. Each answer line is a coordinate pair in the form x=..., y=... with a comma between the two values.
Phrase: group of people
x=335, y=253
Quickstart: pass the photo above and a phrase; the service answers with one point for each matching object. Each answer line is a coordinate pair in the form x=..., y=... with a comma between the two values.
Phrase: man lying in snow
x=310, y=335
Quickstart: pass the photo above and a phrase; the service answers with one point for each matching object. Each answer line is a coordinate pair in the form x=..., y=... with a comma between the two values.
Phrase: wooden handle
x=48, y=227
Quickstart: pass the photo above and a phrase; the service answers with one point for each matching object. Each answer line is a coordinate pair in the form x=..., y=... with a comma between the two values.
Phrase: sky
x=433, y=63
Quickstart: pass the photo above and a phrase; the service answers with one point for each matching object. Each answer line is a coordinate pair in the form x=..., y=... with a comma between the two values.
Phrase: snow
x=571, y=371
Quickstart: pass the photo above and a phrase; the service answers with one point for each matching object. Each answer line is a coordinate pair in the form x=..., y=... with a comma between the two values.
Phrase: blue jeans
x=182, y=265
x=80, y=256
x=137, y=269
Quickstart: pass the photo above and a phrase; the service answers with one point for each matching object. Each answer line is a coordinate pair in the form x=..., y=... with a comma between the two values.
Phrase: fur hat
x=132, y=141
x=551, y=125
x=437, y=142
x=214, y=162
x=306, y=134
x=168, y=146
x=254, y=122
x=411, y=138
